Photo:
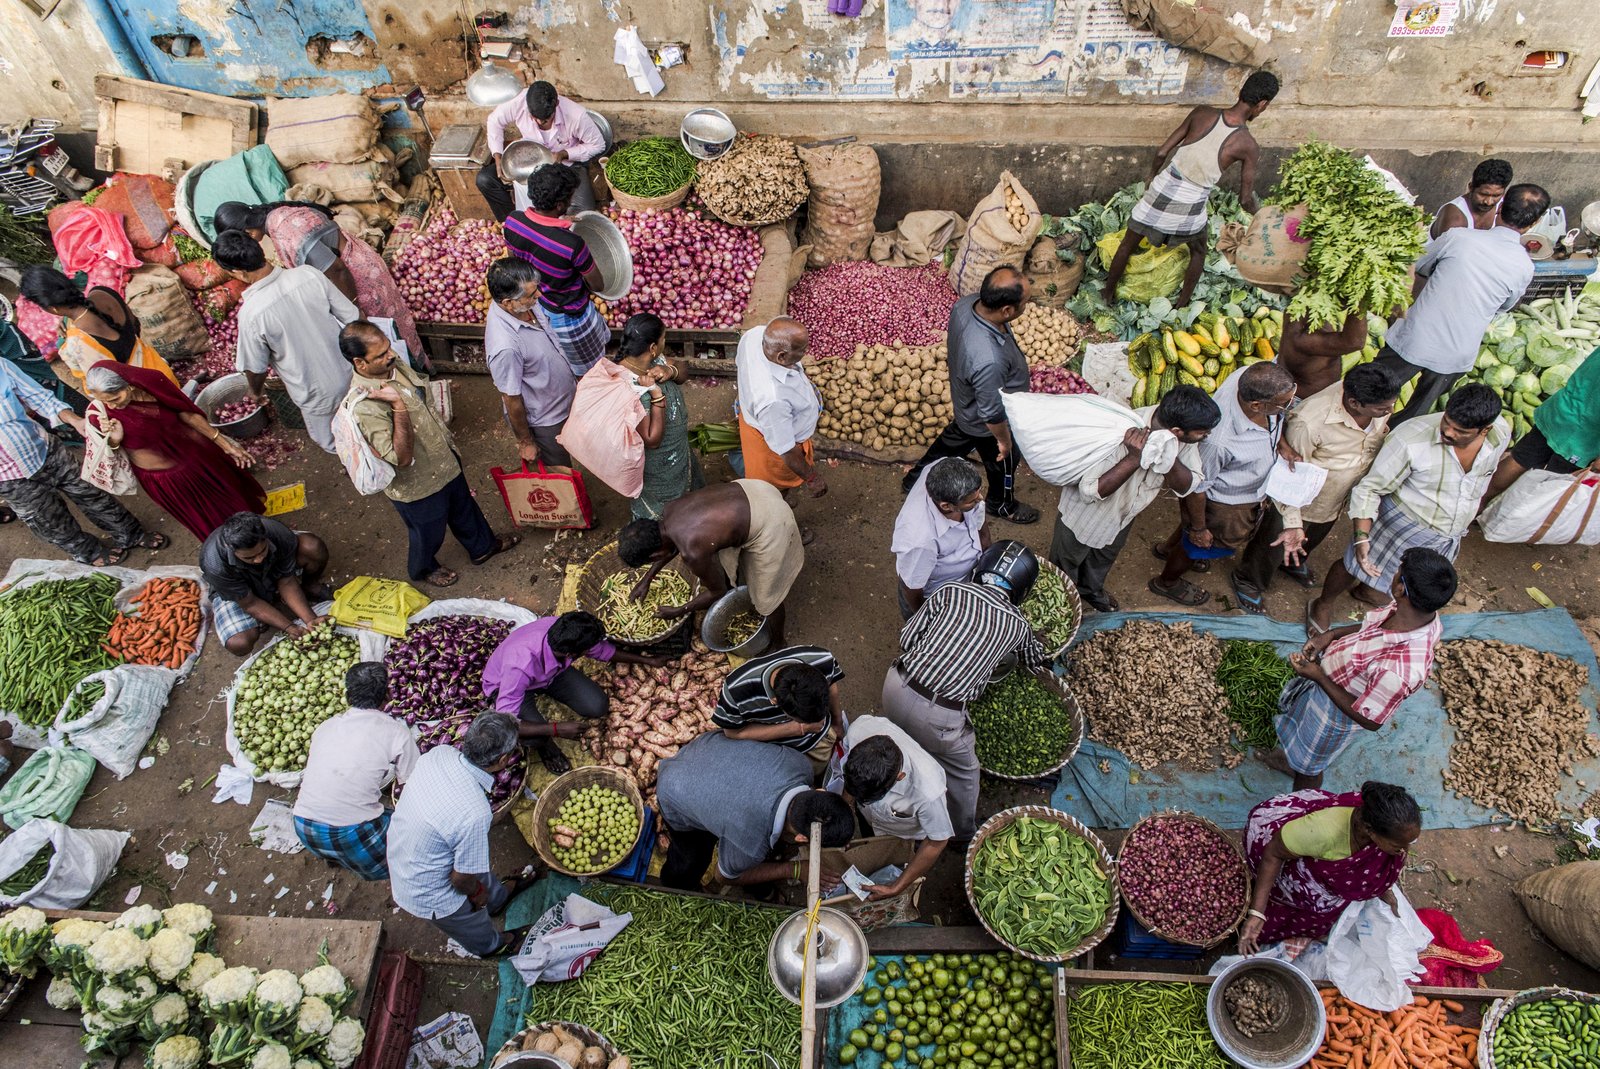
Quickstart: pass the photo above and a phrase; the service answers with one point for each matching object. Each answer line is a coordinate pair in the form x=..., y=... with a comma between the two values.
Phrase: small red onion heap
x=235, y=410
x=271, y=449
x=857, y=302
x=688, y=268
x=1057, y=380
x=1184, y=879
x=224, y=334
x=440, y=271
x=436, y=671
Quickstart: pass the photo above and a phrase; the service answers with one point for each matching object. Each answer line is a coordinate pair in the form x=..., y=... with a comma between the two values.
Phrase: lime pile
x=594, y=829
x=957, y=1011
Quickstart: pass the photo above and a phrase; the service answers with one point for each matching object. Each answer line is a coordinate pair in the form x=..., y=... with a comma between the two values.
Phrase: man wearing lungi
x=1354, y=677
x=1424, y=489
x=1188, y=165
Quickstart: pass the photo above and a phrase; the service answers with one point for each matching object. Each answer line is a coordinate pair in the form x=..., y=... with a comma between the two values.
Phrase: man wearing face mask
x=940, y=531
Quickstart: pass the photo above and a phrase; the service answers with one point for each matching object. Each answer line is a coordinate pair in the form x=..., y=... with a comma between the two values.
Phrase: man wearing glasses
x=535, y=381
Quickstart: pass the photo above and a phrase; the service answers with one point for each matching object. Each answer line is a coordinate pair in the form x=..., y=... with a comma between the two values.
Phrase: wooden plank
x=1083, y=977
x=933, y=939
x=143, y=123
x=240, y=114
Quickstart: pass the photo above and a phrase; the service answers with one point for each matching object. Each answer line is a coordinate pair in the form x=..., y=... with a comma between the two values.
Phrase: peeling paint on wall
x=545, y=14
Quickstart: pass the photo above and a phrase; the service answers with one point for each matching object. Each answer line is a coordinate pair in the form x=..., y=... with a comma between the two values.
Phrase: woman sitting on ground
x=95, y=326
x=671, y=468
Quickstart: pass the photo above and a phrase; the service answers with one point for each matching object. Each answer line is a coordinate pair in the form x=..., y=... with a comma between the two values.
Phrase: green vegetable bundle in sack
x=47, y=785
x=1152, y=272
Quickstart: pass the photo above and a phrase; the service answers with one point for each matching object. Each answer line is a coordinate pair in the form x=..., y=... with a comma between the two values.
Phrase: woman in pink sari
x=188, y=467
x=1315, y=852
x=304, y=233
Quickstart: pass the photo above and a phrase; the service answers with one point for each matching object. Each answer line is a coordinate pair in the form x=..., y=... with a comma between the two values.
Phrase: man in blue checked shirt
x=39, y=475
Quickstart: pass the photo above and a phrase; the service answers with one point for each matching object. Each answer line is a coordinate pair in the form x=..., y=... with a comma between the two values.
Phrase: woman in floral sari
x=671, y=468
x=304, y=233
x=188, y=467
x=1315, y=852
x=95, y=326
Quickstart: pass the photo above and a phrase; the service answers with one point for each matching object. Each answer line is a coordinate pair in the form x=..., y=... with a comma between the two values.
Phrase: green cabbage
x=1545, y=347
x=1554, y=378
x=1501, y=328
x=1527, y=382
x=1500, y=376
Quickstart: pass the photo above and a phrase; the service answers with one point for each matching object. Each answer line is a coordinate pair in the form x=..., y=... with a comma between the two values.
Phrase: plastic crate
x=1552, y=278
x=396, y=998
x=1130, y=939
x=637, y=867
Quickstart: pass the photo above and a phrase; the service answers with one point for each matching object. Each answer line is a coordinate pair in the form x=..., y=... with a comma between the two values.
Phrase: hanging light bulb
x=492, y=85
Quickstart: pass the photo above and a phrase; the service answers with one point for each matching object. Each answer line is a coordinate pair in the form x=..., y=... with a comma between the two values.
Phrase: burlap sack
x=845, y=182
x=330, y=128
x=992, y=239
x=781, y=267
x=1187, y=26
x=1054, y=280
x=1564, y=902
x=370, y=179
x=167, y=318
x=1270, y=253
x=919, y=238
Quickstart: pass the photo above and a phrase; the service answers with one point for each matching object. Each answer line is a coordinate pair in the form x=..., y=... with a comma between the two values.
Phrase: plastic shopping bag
x=569, y=936
x=602, y=429
x=80, y=864
x=550, y=497
x=114, y=731
x=369, y=472
x=1062, y=436
x=1374, y=953
x=1546, y=509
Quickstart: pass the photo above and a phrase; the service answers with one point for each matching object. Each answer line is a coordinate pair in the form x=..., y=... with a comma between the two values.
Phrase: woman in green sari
x=671, y=468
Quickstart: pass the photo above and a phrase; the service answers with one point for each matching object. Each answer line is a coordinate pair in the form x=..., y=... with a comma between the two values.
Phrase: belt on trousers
x=927, y=695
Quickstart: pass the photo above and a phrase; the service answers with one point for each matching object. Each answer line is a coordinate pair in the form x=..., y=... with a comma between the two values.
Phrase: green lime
x=847, y=1053
x=872, y=997
x=893, y=1051
x=878, y=1043
x=858, y=1038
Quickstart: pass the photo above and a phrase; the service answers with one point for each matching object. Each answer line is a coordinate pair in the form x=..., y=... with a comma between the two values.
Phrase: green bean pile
x=29, y=875
x=1048, y=610
x=1021, y=727
x=650, y=167
x=84, y=699
x=1040, y=887
x=684, y=986
x=50, y=635
x=1252, y=675
x=1141, y=1026
x=628, y=619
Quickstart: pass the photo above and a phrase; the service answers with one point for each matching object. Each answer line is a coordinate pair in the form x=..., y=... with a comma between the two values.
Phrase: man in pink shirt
x=563, y=126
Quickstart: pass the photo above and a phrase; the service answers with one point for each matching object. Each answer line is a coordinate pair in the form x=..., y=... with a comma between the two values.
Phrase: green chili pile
x=625, y=618
x=1048, y=610
x=650, y=167
x=1141, y=1026
x=50, y=635
x=1021, y=727
x=1561, y=1033
x=1040, y=887
x=28, y=876
x=1252, y=675
x=684, y=985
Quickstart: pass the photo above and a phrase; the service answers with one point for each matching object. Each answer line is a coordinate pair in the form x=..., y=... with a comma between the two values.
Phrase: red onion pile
x=1057, y=380
x=224, y=334
x=688, y=268
x=436, y=671
x=272, y=448
x=857, y=302
x=232, y=410
x=440, y=271
x=1183, y=879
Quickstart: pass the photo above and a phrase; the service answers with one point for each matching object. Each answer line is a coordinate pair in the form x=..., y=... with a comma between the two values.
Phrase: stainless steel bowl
x=605, y=130
x=707, y=133
x=521, y=158
x=714, y=625
x=231, y=388
x=610, y=251
x=841, y=957
x=1295, y=1041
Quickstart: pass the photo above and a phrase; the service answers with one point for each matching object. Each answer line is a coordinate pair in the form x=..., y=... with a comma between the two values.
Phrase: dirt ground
x=844, y=601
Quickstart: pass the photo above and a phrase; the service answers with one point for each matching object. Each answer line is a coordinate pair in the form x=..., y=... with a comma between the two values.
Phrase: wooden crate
x=460, y=185
x=439, y=337
x=145, y=125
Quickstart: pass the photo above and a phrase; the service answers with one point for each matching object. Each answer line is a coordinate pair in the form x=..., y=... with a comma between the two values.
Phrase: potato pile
x=1016, y=211
x=886, y=396
x=760, y=180
x=1048, y=337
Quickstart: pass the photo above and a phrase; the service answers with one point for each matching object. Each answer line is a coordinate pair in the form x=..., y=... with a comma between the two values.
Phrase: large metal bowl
x=707, y=133
x=521, y=158
x=610, y=251
x=714, y=625
x=232, y=388
x=1295, y=1041
x=604, y=125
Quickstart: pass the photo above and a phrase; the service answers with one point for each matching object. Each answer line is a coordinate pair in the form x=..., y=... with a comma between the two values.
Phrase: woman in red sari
x=189, y=468
x=1315, y=852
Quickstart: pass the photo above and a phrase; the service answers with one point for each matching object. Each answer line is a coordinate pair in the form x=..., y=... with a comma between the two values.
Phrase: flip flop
x=7, y=515
x=111, y=557
x=513, y=938
x=501, y=544
x=1312, y=630
x=442, y=577
x=1200, y=566
x=1018, y=512
x=1304, y=576
x=153, y=540
x=807, y=536
x=1250, y=603
x=1181, y=591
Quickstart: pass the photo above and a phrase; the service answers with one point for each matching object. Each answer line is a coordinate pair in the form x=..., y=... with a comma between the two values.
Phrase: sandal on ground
x=807, y=536
x=1252, y=603
x=111, y=557
x=1160, y=553
x=442, y=577
x=153, y=540
x=7, y=515
x=501, y=544
x=555, y=762
x=1017, y=512
x=1181, y=591
x=1313, y=629
x=511, y=941
x=1302, y=575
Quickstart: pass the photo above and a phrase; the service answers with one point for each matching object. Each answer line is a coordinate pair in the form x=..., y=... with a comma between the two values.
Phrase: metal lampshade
x=491, y=85
x=841, y=957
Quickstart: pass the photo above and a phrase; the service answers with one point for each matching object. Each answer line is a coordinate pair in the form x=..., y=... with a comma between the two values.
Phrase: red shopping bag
x=549, y=497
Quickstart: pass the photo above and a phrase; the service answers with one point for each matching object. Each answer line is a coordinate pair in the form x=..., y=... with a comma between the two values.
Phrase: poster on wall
x=1430, y=18
x=956, y=29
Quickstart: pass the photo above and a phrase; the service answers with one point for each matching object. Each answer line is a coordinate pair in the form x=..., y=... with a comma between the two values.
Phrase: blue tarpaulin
x=1413, y=749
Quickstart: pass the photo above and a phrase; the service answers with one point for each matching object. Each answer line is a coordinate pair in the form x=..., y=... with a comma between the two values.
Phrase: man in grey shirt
x=744, y=800
x=984, y=359
x=1464, y=280
x=533, y=376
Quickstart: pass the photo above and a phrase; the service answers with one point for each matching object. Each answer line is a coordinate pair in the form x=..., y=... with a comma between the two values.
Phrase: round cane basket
x=507, y=1054
x=647, y=204
x=1069, y=708
x=602, y=566
x=554, y=795
x=1004, y=819
x=1243, y=867
x=1073, y=598
x=1501, y=1009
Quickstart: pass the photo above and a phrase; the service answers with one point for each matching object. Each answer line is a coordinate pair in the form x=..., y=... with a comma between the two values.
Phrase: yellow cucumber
x=1264, y=349
x=1169, y=346
x=1190, y=364
x=1186, y=342
x=1187, y=379
x=1222, y=335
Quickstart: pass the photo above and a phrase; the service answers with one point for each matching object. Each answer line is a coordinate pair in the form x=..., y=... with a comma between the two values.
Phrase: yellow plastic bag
x=1152, y=272
x=381, y=605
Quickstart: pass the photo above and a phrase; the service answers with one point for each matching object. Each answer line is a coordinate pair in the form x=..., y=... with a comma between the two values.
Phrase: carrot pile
x=164, y=630
x=1418, y=1036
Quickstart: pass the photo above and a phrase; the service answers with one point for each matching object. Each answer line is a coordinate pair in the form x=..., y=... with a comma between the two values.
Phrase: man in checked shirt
x=952, y=646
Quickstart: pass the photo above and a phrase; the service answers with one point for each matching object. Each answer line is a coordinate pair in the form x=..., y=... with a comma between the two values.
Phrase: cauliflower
x=171, y=951
x=123, y=1005
x=113, y=1001
x=226, y=996
x=177, y=1052
x=61, y=995
x=275, y=1002
x=307, y=1063
x=24, y=919
x=103, y=1034
x=23, y=934
x=202, y=967
x=344, y=1042
x=170, y=1011
x=271, y=1056
x=328, y=984
x=118, y=951
x=191, y=919
x=314, y=1021
x=145, y=921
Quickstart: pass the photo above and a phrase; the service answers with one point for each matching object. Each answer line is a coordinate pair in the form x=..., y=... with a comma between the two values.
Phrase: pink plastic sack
x=602, y=430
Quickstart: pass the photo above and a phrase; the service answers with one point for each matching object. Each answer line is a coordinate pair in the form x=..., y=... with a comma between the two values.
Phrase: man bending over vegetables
x=790, y=697
x=262, y=574
x=901, y=790
x=537, y=659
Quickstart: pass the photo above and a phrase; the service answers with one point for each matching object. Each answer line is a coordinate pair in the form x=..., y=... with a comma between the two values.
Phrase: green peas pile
x=951, y=1011
x=594, y=829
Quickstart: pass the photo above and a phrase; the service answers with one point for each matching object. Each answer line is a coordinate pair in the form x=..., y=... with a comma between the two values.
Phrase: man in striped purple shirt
x=567, y=273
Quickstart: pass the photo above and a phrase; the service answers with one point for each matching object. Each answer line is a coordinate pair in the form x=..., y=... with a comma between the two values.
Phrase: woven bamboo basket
x=1073, y=598
x=646, y=204
x=1244, y=867
x=1501, y=1008
x=1004, y=819
x=1069, y=705
x=555, y=794
x=602, y=566
x=588, y=1036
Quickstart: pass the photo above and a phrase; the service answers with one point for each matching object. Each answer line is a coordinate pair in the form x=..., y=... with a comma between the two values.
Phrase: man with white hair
x=778, y=409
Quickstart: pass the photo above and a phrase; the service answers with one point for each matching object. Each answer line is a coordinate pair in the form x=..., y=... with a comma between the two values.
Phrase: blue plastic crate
x=637, y=867
x=1130, y=939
